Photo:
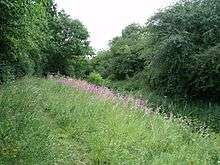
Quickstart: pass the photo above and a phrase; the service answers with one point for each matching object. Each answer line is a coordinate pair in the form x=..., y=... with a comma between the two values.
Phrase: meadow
x=46, y=122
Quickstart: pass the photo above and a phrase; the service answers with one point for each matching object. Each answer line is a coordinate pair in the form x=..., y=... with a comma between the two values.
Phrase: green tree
x=124, y=59
x=183, y=37
x=23, y=30
x=69, y=45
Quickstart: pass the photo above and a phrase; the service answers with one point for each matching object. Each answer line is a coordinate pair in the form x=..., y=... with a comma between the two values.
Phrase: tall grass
x=201, y=112
x=42, y=122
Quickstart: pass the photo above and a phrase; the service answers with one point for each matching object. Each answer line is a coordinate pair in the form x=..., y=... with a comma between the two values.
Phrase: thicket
x=185, y=40
x=176, y=52
x=37, y=39
x=124, y=58
x=95, y=78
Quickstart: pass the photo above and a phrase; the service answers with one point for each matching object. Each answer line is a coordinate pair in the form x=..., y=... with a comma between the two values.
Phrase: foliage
x=101, y=63
x=37, y=39
x=124, y=58
x=199, y=112
x=23, y=36
x=78, y=67
x=185, y=40
x=95, y=78
x=68, y=47
x=178, y=50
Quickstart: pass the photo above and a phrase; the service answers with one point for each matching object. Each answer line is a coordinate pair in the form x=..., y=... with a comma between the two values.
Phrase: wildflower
x=105, y=93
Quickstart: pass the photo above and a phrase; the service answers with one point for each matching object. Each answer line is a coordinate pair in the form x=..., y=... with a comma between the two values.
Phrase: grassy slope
x=197, y=110
x=42, y=122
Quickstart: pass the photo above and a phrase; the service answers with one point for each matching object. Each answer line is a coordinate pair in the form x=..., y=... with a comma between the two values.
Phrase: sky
x=105, y=19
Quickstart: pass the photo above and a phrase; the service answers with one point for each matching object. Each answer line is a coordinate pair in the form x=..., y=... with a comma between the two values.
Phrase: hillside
x=44, y=122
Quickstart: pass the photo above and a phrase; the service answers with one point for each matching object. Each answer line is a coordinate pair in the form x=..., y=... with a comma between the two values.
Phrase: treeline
x=37, y=39
x=176, y=52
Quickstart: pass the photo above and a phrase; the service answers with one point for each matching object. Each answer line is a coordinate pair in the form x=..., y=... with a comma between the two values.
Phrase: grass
x=201, y=112
x=43, y=122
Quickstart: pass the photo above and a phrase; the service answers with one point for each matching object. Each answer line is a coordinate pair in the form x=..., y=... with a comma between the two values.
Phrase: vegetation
x=199, y=112
x=185, y=57
x=43, y=122
x=172, y=63
x=68, y=47
x=124, y=58
x=36, y=39
x=23, y=32
x=177, y=51
x=95, y=78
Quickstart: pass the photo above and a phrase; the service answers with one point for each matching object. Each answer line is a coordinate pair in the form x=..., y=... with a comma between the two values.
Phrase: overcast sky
x=105, y=19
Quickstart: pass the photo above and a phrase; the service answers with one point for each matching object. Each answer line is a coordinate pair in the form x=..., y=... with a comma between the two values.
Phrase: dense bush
x=102, y=63
x=68, y=47
x=24, y=27
x=206, y=72
x=178, y=49
x=95, y=78
x=124, y=59
x=186, y=58
x=37, y=39
x=78, y=67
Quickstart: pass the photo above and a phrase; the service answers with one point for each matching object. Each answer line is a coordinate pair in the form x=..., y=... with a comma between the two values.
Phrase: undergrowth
x=200, y=111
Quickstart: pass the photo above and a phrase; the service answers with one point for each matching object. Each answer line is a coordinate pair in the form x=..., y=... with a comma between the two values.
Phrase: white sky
x=105, y=19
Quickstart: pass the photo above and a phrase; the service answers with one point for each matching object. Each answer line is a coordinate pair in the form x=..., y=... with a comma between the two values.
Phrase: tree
x=68, y=45
x=23, y=36
x=37, y=39
x=183, y=37
x=124, y=59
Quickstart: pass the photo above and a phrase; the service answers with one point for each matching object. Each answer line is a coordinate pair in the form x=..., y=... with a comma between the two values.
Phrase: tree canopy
x=177, y=50
x=124, y=58
x=37, y=39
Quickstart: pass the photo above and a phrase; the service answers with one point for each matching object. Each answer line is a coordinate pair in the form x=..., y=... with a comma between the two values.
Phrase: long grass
x=201, y=112
x=43, y=122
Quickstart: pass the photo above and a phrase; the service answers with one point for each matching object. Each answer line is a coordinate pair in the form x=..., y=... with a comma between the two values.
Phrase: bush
x=37, y=39
x=124, y=58
x=24, y=29
x=185, y=39
x=6, y=73
x=205, y=72
x=95, y=78
x=78, y=68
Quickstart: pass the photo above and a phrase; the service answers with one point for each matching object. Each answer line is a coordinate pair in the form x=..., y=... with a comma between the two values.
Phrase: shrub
x=79, y=68
x=186, y=58
x=24, y=29
x=124, y=58
x=95, y=78
x=205, y=75
x=6, y=73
